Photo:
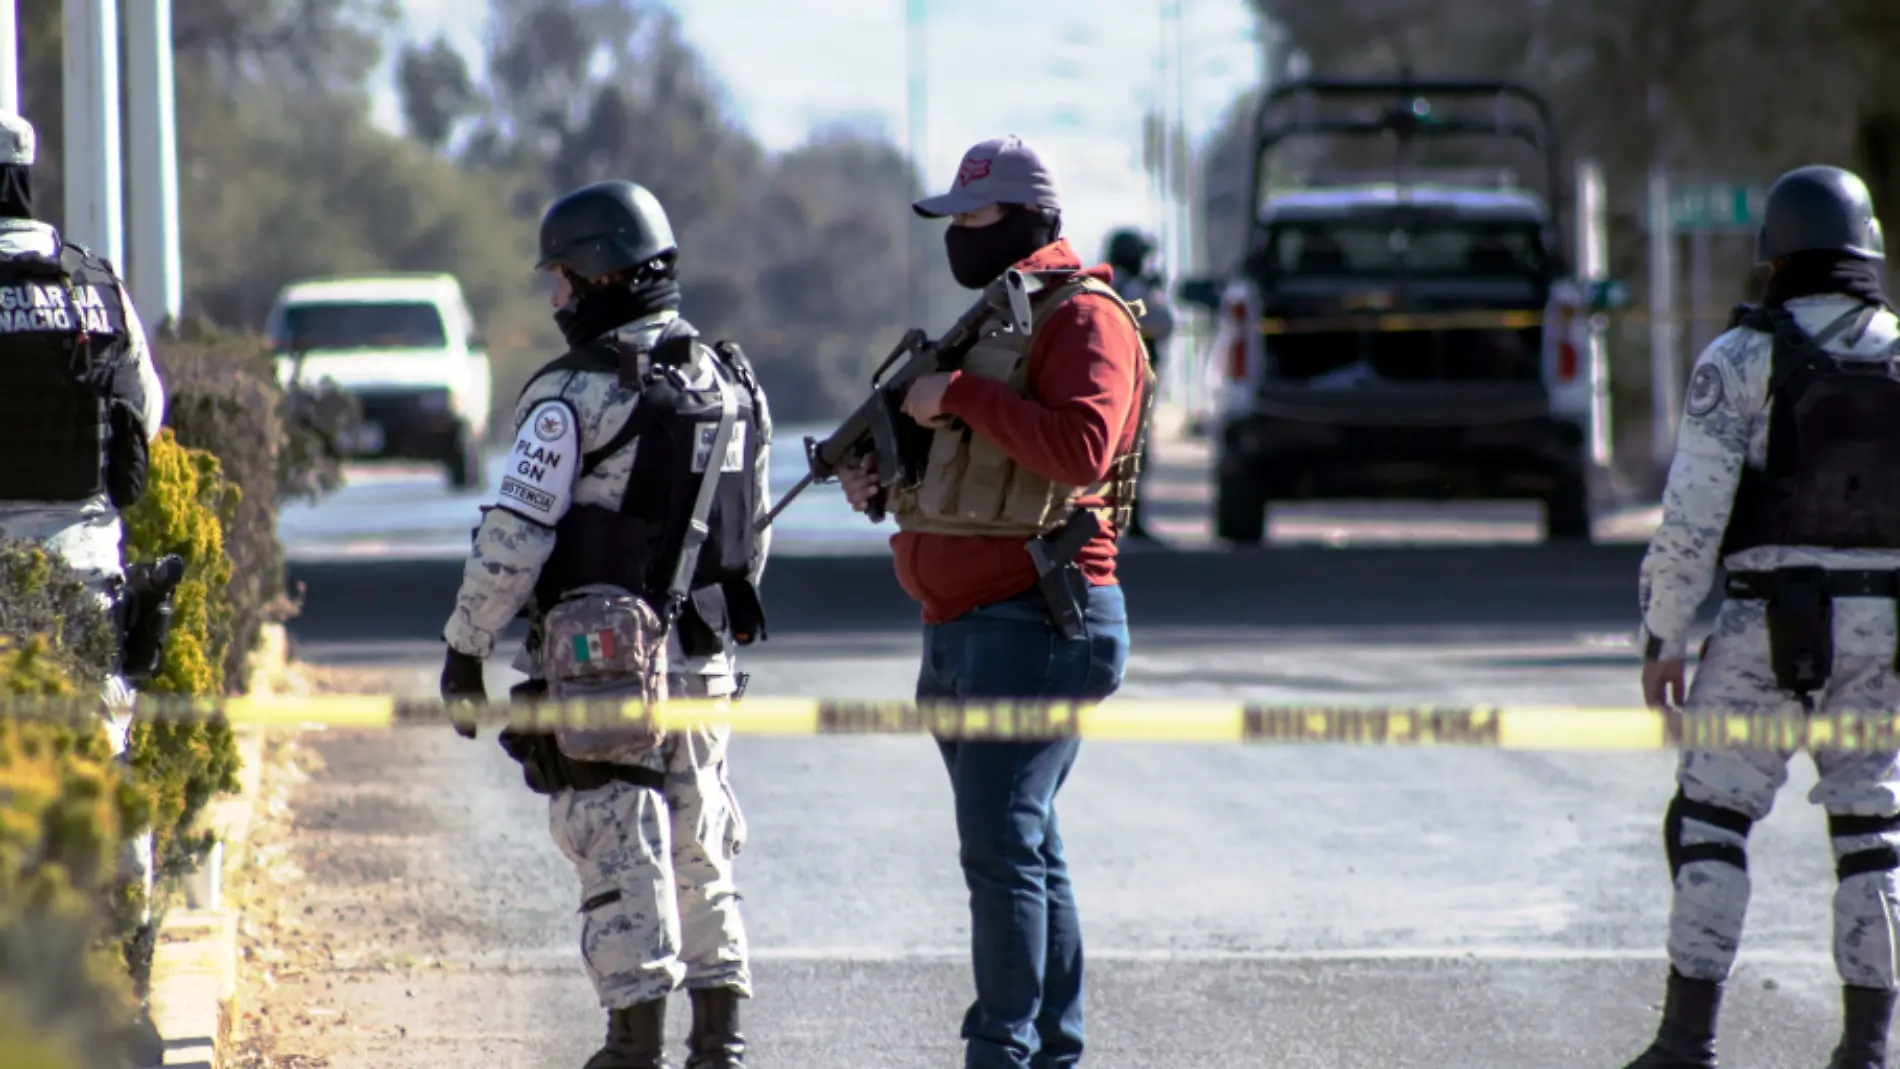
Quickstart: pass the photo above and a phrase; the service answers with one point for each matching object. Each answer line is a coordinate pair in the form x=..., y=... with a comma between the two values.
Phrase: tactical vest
x=1832, y=476
x=971, y=487
x=636, y=545
x=62, y=338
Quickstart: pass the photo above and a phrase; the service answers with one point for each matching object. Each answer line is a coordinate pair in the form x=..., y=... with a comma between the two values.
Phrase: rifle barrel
x=789, y=497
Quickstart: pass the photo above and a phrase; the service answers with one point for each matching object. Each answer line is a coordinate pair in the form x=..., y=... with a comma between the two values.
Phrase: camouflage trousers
x=1711, y=897
x=116, y=700
x=659, y=905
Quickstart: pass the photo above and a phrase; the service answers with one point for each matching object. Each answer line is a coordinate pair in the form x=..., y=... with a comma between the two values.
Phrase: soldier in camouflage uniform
x=1810, y=538
x=1127, y=256
x=591, y=513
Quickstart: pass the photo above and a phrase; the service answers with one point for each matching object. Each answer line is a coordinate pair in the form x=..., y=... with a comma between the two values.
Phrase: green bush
x=183, y=764
x=223, y=397
x=65, y=995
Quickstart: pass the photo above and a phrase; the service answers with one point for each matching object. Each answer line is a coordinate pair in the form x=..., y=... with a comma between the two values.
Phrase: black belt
x=592, y=775
x=1846, y=583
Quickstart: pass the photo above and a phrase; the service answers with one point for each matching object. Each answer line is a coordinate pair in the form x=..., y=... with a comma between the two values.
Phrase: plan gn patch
x=538, y=482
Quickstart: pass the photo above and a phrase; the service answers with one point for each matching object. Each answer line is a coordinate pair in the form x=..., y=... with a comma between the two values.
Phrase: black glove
x=462, y=681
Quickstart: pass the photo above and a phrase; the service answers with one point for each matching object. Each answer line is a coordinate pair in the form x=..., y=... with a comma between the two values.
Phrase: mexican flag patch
x=593, y=647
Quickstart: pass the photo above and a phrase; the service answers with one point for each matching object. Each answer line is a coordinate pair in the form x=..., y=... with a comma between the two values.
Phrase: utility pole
x=91, y=57
x=1662, y=321
x=1593, y=259
x=916, y=66
x=153, y=272
x=9, y=56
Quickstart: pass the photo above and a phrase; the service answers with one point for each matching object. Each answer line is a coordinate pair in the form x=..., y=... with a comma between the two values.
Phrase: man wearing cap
x=80, y=404
x=1039, y=435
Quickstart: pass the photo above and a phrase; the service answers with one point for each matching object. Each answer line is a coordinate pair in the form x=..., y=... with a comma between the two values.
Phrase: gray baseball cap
x=1002, y=170
x=16, y=140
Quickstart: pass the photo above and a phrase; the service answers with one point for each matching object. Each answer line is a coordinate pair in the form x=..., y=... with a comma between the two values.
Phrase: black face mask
x=980, y=253
x=585, y=318
x=16, y=192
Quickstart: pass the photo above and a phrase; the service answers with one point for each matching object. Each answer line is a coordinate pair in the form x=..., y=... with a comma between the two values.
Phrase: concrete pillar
x=153, y=272
x=9, y=56
x=93, y=213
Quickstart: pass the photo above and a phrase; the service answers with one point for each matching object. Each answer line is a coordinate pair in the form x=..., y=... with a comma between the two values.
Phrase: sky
x=1072, y=79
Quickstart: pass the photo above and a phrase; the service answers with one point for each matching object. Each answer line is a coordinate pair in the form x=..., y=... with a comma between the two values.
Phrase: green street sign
x=1608, y=294
x=1716, y=206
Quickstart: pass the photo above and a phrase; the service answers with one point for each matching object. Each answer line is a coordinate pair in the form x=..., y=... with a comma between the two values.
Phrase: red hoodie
x=1085, y=371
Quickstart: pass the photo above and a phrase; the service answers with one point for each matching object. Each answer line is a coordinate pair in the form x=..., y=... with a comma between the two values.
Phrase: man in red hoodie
x=1035, y=432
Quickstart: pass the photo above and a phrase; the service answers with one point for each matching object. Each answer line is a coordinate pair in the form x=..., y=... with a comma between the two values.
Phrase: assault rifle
x=879, y=426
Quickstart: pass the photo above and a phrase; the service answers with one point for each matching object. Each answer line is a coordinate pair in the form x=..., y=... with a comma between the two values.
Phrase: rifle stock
x=878, y=425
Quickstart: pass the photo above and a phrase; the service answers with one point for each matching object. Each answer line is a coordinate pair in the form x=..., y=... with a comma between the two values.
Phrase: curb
x=194, y=966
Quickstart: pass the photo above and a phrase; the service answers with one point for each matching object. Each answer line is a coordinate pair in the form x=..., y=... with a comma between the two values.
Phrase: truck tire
x=1240, y=510
x=1567, y=512
x=467, y=461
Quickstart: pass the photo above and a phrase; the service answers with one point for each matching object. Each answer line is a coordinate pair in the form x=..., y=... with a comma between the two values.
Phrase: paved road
x=1272, y=906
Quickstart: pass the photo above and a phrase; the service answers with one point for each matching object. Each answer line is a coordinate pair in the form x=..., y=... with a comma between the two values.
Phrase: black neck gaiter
x=1816, y=274
x=16, y=192
x=980, y=253
x=600, y=311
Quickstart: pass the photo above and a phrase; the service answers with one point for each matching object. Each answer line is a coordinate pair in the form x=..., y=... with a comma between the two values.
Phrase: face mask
x=980, y=253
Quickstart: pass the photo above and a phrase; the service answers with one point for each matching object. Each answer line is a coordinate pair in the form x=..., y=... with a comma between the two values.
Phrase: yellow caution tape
x=1403, y=322
x=1127, y=720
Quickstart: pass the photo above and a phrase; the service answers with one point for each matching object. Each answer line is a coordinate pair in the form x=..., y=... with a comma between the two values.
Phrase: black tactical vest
x=62, y=338
x=1832, y=477
x=637, y=545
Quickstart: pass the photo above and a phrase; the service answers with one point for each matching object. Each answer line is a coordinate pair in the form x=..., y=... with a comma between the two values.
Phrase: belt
x=591, y=775
x=1845, y=583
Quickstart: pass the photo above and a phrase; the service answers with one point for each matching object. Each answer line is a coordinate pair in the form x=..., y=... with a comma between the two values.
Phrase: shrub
x=222, y=396
x=182, y=764
x=65, y=997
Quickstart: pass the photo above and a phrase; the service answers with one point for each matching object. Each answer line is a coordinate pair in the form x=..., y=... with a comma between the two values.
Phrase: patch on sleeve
x=1705, y=390
x=538, y=482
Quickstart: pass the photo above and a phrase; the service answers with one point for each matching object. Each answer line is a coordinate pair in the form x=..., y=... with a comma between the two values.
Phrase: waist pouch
x=604, y=643
x=1800, y=615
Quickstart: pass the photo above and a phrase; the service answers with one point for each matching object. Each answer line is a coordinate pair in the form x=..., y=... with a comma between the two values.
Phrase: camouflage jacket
x=1725, y=425
x=511, y=549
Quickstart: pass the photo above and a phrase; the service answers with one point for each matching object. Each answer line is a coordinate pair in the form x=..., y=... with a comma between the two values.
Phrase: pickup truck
x=1415, y=334
x=408, y=348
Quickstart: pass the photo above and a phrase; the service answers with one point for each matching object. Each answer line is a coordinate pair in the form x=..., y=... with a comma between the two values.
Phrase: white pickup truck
x=406, y=346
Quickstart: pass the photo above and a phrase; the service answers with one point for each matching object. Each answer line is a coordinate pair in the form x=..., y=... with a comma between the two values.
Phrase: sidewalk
x=194, y=967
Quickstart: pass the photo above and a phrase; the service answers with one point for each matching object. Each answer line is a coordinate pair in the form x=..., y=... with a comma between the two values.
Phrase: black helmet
x=1820, y=209
x=1128, y=248
x=603, y=228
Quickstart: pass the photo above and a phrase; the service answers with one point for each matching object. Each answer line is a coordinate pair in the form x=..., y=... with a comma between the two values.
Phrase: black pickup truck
x=1414, y=335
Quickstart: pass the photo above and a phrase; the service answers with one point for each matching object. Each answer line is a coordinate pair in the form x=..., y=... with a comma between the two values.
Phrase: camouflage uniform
x=675, y=916
x=1726, y=425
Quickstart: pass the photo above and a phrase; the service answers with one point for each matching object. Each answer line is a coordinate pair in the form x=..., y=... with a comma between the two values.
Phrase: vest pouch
x=1032, y=500
x=702, y=623
x=601, y=642
x=1800, y=616
x=987, y=472
x=745, y=611
x=936, y=497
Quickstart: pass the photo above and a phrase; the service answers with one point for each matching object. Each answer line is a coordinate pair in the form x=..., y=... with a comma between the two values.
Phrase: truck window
x=1460, y=249
x=361, y=325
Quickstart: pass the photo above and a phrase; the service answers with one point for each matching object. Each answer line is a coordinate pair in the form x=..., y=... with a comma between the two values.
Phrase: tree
x=436, y=91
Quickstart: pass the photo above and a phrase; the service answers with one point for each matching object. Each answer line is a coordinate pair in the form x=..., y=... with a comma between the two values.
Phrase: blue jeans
x=1025, y=934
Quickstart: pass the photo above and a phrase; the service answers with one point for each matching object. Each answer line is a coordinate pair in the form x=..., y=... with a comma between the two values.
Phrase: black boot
x=1686, y=1037
x=715, y=1042
x=1865, y=1014
x=636, y=1038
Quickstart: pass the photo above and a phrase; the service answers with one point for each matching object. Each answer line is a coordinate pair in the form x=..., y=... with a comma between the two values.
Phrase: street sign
x=1608, y=294
x=1715, y=206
